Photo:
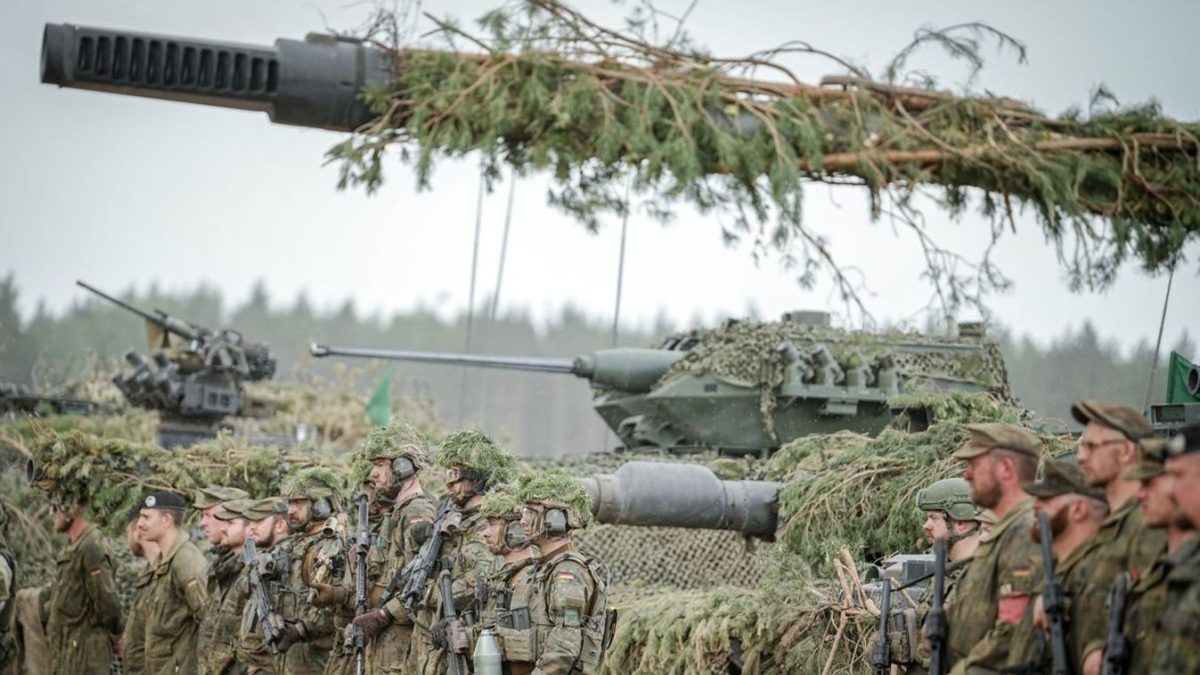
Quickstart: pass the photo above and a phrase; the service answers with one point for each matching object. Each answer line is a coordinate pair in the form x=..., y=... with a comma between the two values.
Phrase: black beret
x=166, y=500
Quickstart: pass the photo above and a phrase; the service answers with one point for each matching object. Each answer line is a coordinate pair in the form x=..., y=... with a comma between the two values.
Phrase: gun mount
x=747, y=388
x=193, y=376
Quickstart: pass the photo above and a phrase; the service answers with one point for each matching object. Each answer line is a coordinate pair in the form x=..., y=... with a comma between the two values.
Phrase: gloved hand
x=373, y=622
x=289, y=635
x=326, y=595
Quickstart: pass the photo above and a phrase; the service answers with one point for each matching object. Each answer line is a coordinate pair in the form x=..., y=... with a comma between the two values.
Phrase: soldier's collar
x=1018, y=510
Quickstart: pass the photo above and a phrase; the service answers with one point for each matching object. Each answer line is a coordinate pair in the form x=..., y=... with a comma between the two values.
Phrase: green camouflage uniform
x=1006, y=564
x=252, y=648
x=403, y=532
x=906, y=647
x=217, y=645
x=1124, y=543
x=1177, y=634
x=133, y=657
x=85, y=612
x=472, y=562
x=1143, y=607
x=563, y=598
x=342, y=661
x=8, y=592
x=175, y=601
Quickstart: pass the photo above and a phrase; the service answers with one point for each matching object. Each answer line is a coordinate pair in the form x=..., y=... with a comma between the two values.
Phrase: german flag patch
x=566, y=576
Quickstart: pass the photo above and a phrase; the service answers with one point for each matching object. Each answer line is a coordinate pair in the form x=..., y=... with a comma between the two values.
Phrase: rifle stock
x=935, y=620
x=456, y=633
x=1053, y=602
x=363, y=545
x=1116, y=646
x=881, y=656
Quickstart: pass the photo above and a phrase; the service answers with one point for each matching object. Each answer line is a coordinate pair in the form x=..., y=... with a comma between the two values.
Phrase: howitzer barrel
x=683, y=495
x=627, y=369
x=314, y=83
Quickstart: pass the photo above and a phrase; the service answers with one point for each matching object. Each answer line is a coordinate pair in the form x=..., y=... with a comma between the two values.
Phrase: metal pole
x=621, y=264
x=1158, y=343
x=462, y=399
x=512, y=189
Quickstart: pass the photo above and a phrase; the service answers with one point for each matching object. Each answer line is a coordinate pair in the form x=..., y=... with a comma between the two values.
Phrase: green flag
x=379, y=408
x=1177, y=377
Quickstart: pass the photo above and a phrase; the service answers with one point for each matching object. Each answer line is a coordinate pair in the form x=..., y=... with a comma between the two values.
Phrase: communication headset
x=321, y=509
x=514, y=535
x=403, y=469
x=554, y=522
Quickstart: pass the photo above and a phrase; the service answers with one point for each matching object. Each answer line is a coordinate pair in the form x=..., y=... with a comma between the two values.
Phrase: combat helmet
x=501, y=502
x=406, y=446
x=556, y=490
x=319, y=485
x=951, y=496
x=472, y=455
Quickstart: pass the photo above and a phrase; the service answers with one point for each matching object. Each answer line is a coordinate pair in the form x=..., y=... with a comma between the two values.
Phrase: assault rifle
x=1116, y=646
x=935, y=620
x=416, y=572
x=260, y=600
x=457, y=643
x=1053, y=602
x=362, y=546
x=881, y=656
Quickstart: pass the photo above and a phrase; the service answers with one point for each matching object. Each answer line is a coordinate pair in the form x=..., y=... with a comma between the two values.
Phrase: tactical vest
x=524, y=629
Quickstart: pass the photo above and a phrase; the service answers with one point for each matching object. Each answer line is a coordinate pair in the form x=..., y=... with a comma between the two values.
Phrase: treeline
x=536, y=413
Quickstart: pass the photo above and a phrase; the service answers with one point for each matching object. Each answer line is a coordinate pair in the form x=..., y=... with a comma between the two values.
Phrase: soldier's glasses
x=1092, y=446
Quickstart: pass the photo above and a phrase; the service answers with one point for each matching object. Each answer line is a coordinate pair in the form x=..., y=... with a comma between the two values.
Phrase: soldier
x=176, y=594
x=85, y=612
x=266, y=524
x=506, y=538
x=994, y=594
x=1177, y=634
x=224, y=566
x=341, y=599
x=133, y=644
x=226, y=600
x=1108, y=448
x=1074, y=511
x=560, y=621
x=473, y=463
x=1148, y=595
x=8, y=591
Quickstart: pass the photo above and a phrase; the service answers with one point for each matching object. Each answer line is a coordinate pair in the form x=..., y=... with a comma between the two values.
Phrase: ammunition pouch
x=904, y=637
x=517, y=619
x=518, y=645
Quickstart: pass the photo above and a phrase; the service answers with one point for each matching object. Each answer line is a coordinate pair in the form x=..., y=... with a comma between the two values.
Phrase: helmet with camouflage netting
x=556, y=489
x=951, y=496
x=472, y=455
x=396, y=440
x=316, y=483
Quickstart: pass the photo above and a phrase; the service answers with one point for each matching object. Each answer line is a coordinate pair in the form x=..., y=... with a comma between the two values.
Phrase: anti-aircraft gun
x=748, y=387
x=192, y=376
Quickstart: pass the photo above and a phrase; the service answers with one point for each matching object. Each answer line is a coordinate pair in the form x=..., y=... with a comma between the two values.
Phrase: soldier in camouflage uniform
x=85, y=611
x=224, y=566
x=226, y=599
x=951, y=515
x=994, y=594
x=340, y=599
x=1148, y=593
x=505, y=538
x=1108, y=448
x=559, y=620
x=266, y=524
x=1074, y=511
x=133, y=651
x=8, y=591
x=176, y=595
x=473, y=464
x=1177, y=635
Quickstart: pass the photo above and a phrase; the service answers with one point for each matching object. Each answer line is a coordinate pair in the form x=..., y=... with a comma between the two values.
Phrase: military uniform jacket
x=907, y=649
x=310, y=553
x=252, y=648
x=217, y=644
x=403, y=532
x=175, y=601
x=85, y=612
x=1143, y=607
x=341, y=660
x=1177, y=634
x=1125, y=543
x=566, y=604
x=992, y=597
x=133, y=658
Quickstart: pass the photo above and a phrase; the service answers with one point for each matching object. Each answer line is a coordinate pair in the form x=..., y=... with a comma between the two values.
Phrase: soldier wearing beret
x=1148, y=592
x=222, y=618
x=266, y=524
x=1074, y=511
x=995, y=593
x=176, y=595
x=1177, y=635
x=223, y=566
x=85, y=612
x=1109, y=448
x=133, y=651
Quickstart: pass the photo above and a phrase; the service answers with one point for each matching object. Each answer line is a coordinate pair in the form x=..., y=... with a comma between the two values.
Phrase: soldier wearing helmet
x=398, y=454
x=950, y=514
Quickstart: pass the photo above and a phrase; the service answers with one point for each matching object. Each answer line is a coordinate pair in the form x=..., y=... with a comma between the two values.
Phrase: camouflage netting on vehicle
x=853, y=491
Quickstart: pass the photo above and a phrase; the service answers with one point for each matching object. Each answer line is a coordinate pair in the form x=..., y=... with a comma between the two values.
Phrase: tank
x=750, y=387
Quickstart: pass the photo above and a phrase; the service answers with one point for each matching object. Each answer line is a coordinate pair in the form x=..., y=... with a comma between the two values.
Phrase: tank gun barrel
x=627, y=369
x=310, y=83
x=159, y=318
x=683, y=495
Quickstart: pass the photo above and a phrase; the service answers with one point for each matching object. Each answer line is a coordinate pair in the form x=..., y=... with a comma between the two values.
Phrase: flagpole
x=1158, y=343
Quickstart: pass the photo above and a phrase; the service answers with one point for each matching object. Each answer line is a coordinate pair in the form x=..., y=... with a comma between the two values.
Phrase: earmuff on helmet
x=403, y=468
x=554, y=522
x=514, y=535
x=321, y=510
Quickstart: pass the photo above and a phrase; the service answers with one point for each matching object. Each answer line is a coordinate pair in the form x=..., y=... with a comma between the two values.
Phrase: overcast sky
x=124, y=191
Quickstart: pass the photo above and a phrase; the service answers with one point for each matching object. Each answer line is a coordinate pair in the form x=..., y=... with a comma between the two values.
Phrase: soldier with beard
x=1109, y=448
x=226, y=600
x=1177, y=635
x=1074, y=511
x=85, y=612
x=267, y=525
x=223, y=565
x=995, y=592
x=133, y=649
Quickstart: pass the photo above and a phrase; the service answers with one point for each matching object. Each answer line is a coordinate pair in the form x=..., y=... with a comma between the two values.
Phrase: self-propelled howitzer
x=750, y=387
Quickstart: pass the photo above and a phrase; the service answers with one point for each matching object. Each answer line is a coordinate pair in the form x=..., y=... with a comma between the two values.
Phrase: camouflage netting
x=555, y=486
x=473, y=449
